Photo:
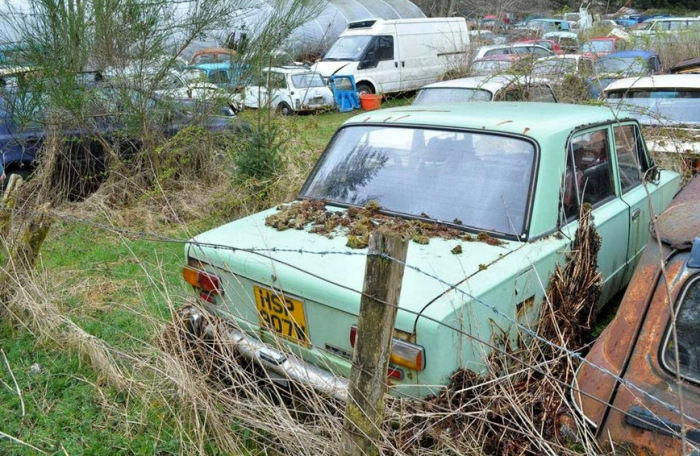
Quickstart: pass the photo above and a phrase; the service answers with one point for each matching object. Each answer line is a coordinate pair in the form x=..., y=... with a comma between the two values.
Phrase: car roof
x=490, y=83
x=627, y=54
x=289, y=69
x=566, y=56
x=668, y=19
x=500, y=58
x=537, y=120
x=560, y=34
x=661, y=81
x=509, y=45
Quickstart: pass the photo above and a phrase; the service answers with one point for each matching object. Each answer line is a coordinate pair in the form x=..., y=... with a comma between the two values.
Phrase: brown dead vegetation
x=358, y=222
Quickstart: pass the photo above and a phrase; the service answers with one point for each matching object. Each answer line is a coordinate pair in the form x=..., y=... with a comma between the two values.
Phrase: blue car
x=229, y=75
x=620, y=65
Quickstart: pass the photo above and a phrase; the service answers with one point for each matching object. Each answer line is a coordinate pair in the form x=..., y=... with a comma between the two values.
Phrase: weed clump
x=515, y=407
x=358, y=222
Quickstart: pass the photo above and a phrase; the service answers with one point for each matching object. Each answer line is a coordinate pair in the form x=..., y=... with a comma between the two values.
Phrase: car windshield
x=483, y=180
x=487, y=67
x=348, y=48
x=554, y=66
x=434, y=95
x=659, y=107
x=622, y=65
x=597, y=46
x=307, y=80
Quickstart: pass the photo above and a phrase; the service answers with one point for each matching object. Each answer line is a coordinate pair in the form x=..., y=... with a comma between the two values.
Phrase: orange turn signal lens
x=403, y=353
x=203, y=280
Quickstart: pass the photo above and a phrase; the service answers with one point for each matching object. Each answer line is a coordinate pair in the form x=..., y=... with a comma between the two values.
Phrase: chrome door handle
x=635, y=213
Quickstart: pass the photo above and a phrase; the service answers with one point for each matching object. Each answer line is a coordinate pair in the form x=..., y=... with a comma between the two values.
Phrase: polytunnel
x=318, y=34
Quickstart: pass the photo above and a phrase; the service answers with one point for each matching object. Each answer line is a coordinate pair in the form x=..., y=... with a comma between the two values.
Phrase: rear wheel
x=284, y=109
x=364, y=88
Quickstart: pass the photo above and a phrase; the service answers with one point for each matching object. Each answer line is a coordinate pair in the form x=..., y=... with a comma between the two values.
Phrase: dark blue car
x=620, y=65
x=23, y=130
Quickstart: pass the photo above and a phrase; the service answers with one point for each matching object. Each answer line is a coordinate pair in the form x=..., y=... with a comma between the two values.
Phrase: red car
x=650, y=359
x=599, y=47
x=547, y=44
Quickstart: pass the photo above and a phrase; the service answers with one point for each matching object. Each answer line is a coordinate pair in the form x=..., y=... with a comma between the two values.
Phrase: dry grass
x=218, y=399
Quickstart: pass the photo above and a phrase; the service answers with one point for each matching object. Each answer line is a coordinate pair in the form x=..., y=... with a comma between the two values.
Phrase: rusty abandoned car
x=642, y=348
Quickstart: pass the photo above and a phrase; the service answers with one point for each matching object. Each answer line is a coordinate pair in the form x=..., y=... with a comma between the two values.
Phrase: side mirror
x=652, y=174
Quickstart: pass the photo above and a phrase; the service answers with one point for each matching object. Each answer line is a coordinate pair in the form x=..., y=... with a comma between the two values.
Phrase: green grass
x=113, y=289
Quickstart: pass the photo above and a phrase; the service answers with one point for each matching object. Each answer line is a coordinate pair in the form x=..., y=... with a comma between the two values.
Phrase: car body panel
x=629, y=347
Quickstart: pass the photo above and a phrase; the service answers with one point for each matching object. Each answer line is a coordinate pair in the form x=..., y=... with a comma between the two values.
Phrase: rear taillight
x=209, y=284
x=404, y=354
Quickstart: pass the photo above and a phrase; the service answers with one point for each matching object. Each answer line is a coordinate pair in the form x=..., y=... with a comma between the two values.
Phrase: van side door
x=380, y=64
x=423, y=52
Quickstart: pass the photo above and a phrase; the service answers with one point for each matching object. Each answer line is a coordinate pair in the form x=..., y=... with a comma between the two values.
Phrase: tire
x=284, y=109
x=364, y=88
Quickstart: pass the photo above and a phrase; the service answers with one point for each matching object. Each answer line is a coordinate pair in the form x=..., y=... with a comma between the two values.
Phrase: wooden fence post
x=364, y=410
x=24, y=251
x=9, y=201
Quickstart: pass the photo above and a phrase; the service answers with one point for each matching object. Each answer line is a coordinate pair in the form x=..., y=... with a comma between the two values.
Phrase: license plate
x=281, y=314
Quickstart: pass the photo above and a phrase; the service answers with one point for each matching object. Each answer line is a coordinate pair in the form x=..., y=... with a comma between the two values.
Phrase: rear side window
x=218, y=77
x=628, y=154
x=688, y=334
x=542, y=94
x=588, y=177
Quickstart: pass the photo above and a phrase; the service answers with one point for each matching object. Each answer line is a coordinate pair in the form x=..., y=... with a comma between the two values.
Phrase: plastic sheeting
x=318, y=34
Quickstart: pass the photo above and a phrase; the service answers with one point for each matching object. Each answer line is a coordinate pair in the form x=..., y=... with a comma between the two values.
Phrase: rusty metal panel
x=614, y=346
x=645, y=371
x=680, y=223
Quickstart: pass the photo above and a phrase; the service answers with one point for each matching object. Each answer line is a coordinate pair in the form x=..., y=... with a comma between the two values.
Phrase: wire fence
x=268, y=253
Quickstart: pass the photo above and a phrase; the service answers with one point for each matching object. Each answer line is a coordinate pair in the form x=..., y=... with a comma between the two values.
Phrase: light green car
x=514, y=172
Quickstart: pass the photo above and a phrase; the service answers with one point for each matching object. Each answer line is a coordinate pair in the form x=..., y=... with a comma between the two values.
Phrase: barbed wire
x=156, y=237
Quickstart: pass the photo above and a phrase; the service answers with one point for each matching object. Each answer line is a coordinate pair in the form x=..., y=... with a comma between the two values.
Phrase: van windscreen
x=348, y=48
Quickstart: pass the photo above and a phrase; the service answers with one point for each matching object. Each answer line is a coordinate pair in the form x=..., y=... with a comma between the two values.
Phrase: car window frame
x=612, y=168
x=690, y=281
x=534, y=177
x=643, y=161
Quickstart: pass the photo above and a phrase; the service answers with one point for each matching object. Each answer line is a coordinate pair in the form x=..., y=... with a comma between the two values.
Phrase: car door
x=590, y=179
x=631, y=162
x=643, y=418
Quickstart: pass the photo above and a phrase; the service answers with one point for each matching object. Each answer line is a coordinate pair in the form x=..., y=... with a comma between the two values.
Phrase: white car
x=515, y=48
x=486, y=88
x=556, y=67
x=669, y=102
x=288, y=90
x=567, y=40
x=668, y=25
x=190, y=84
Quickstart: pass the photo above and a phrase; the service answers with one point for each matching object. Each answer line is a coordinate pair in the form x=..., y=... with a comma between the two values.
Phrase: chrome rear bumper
x=272, y=360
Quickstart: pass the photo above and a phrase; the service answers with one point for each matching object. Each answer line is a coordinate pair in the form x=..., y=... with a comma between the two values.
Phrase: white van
x=388, y=56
